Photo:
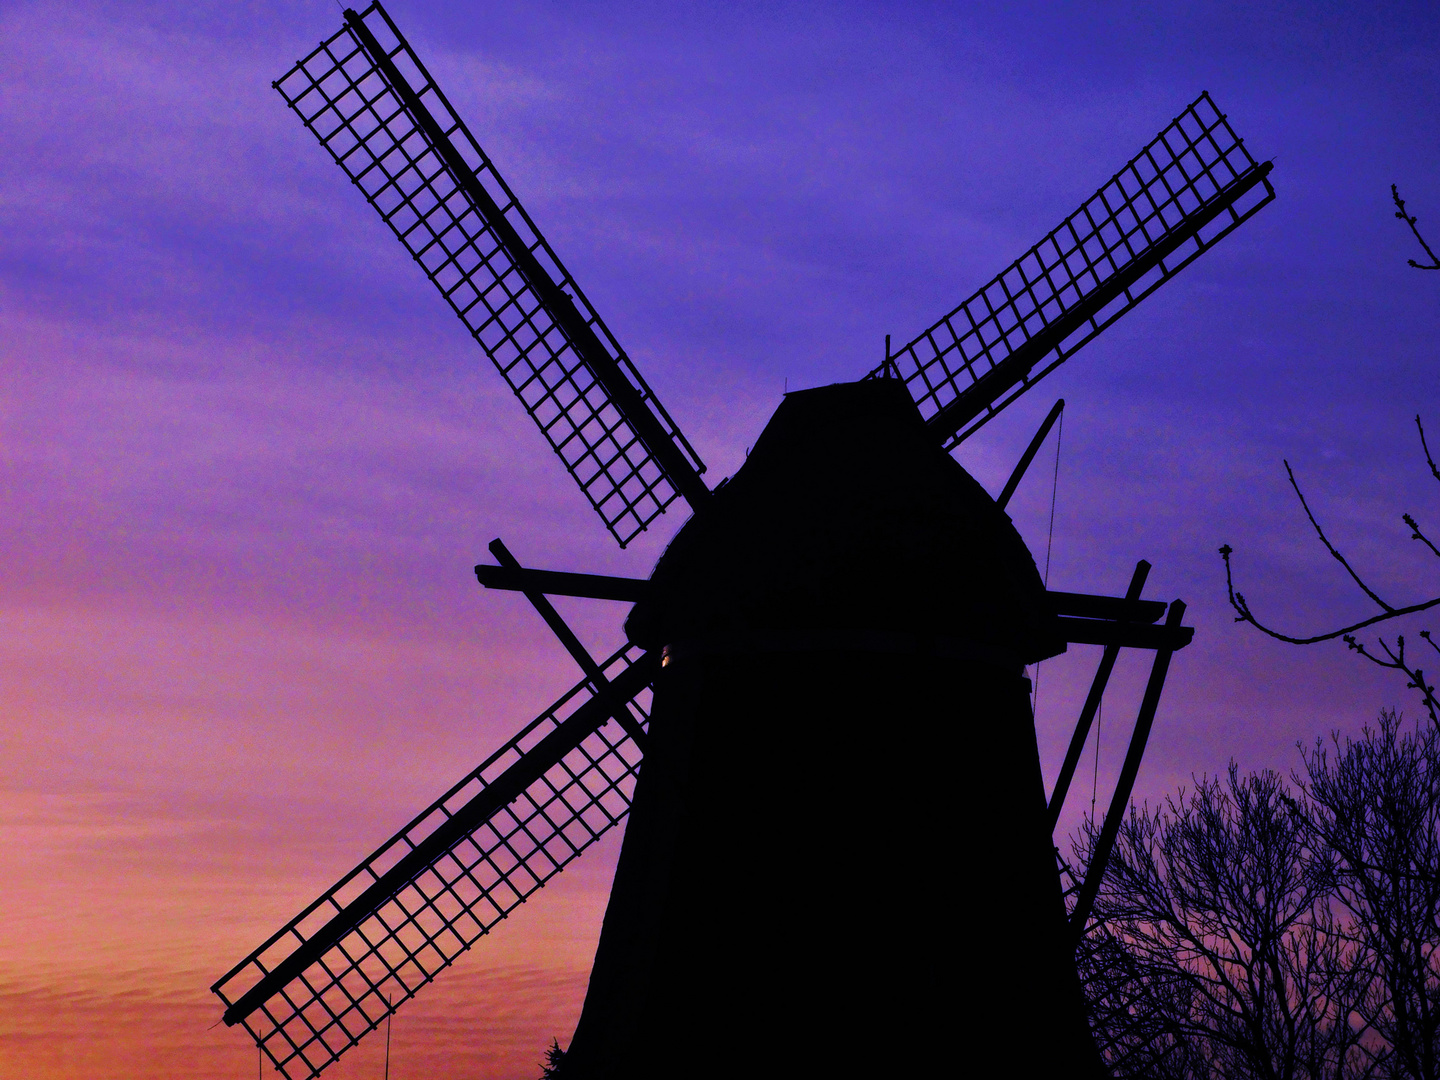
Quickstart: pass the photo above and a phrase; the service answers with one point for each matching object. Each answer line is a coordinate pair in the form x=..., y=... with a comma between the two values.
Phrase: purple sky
x=249, y=458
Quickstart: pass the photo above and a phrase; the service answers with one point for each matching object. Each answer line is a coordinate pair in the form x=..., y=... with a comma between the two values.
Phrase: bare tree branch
x=1395, y=657
x=1435, y=472
x=1396, y=662
x=1329, y=546
x=1410, y=220
x=1416, y=534
x=1242, y=612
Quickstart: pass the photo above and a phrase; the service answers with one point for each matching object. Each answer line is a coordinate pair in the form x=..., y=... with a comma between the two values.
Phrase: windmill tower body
x=838, y=849
x=840, y=855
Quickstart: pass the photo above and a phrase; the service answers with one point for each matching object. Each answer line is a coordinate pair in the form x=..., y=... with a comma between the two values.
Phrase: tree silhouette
x=550, y=1067
x=1217, y=953
x=1245, y=930
x=1375, y=804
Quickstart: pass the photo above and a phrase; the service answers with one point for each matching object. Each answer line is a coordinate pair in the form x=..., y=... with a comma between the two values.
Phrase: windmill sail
x=1192, y=185
x=408, y=911
x=374, y=107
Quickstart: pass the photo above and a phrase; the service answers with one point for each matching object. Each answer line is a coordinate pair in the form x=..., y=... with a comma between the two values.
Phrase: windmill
x=812, y=647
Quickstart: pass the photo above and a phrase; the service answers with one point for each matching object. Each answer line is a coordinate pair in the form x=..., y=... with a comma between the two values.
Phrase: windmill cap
x=847, y=518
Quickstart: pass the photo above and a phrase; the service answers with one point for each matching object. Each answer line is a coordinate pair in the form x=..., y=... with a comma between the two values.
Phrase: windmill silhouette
x=841, y=804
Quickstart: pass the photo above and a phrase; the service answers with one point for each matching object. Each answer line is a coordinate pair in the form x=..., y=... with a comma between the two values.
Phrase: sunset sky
x=249, y=458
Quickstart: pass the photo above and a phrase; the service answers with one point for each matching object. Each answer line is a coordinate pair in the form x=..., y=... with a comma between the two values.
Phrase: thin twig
x=1396, y=662
x=1416, y=534
x=1434, y=471
x=1331, y=547
x=1410, y=220
x=1430, y=641
x=1242, y=612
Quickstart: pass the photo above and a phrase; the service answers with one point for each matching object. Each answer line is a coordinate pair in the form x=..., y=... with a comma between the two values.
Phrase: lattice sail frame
x=1183, y=172
x=446, y=908
x=350, y=106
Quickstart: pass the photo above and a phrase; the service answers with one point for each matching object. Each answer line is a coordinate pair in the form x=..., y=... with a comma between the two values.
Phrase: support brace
x=1092, y=705
x=1126, y=784
x=570, y=641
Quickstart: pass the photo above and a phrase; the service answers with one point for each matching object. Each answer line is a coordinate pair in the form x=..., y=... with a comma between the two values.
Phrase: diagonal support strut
x=1092, y=705
x=1126, y=784
x=567, y=638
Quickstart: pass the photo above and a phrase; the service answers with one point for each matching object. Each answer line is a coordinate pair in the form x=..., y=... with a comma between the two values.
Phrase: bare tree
x=1376, y=805
x=1390, y=655
x=1214, y=950
x=1245, y=932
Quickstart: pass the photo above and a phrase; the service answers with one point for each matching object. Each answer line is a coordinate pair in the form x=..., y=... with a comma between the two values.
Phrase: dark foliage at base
x=1248, y=929
x=553, y=1056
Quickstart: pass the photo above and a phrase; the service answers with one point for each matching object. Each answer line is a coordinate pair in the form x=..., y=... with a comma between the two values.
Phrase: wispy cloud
x=148, y=1023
